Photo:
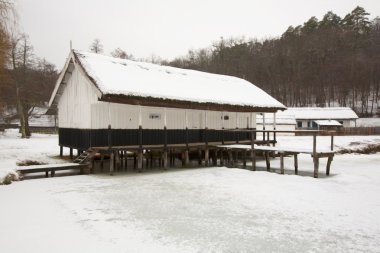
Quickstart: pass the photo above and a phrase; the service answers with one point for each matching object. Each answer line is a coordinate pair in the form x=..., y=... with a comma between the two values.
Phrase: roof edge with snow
x=75, y=59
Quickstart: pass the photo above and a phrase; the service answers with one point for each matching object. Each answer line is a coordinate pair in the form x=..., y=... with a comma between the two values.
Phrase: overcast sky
x=166, y=28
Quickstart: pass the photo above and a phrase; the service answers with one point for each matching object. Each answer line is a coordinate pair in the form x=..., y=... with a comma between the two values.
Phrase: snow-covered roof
x=280, y=119
x=321, y=113
x=121, y=77
x=327, y=123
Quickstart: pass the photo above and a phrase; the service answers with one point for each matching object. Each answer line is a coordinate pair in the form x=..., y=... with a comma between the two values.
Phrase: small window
x=154, y=116
x=226, y=117
x=299, y=124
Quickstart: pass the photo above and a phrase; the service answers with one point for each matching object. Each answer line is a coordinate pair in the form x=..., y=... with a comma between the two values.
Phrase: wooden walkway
x=52, y=168
x=269, y=151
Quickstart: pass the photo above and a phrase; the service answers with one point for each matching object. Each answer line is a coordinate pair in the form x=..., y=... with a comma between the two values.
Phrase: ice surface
x=195, y=210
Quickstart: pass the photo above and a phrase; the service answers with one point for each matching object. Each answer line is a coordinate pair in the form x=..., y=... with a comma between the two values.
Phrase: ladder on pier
x=85, y=157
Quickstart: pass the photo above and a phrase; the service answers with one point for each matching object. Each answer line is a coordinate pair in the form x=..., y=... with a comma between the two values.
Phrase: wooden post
x=206, y=147
x=125, y=155
x=221, y=157
x=71, y=153
x=165, y=158
x=199, y=156
x=245, y=158
x=215, y=158
x=282, y=163
x=253, y=154
x=329, y=160
x=230, y=158
x=315, y=158
x=112, y=163
x=207, y=158
x=101, y=162
x=47, y=173
x=52, y=173
x=78, y=152
x=314, y=144
x=187, y=157
x=274, y=129
x=140, y=160
x=316, y=166
x=332, y=142
x=267, y=160
x=296, y=164
x=60, y=151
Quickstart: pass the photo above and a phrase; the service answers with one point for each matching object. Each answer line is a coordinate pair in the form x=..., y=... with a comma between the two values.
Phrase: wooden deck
x=269, y=151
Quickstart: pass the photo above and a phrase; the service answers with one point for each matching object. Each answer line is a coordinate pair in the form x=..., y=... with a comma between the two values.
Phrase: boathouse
x=103, y=101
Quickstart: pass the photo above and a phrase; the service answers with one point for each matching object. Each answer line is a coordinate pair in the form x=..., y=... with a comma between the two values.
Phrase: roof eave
x=172, y=103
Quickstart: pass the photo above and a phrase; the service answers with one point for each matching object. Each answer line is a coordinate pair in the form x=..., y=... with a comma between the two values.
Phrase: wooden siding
x=85, y=138
x=75, y=102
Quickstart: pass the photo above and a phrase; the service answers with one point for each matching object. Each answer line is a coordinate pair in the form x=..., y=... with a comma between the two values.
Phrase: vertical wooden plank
x=71, y=153
x=332, y=142
x=282, y=163
x=296, y=164
x=60, y=151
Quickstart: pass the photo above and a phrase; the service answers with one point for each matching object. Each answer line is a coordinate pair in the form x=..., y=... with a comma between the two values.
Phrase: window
x=154, y=116
x=226, y=117
x=299, y=124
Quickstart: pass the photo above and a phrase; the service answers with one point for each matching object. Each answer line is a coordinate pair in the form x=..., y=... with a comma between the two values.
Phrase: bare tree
x=120, y=53
x=96, y=46
x=21, y=56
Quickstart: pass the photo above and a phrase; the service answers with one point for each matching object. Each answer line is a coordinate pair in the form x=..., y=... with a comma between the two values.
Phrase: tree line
x=26, y=81
x=330, y=62
x=334, y=61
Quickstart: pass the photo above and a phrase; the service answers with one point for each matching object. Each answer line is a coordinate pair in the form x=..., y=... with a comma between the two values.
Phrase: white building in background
x=283, y=122
x=314, y=117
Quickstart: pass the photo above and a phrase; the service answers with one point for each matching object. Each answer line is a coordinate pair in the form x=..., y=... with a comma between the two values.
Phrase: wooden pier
x=209, y=153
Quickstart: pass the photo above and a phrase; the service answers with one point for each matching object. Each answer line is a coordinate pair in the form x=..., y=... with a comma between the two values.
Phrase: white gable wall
x=74, y=107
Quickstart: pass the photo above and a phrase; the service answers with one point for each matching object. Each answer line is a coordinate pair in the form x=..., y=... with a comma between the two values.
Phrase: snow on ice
x=214, y=209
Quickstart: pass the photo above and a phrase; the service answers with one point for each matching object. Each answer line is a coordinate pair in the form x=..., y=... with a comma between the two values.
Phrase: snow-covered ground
x=40, y=147
x=196, y=210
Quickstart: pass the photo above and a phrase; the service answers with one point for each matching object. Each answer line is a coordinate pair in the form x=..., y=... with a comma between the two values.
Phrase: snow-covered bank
x=41, y=148
x=197, y=210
